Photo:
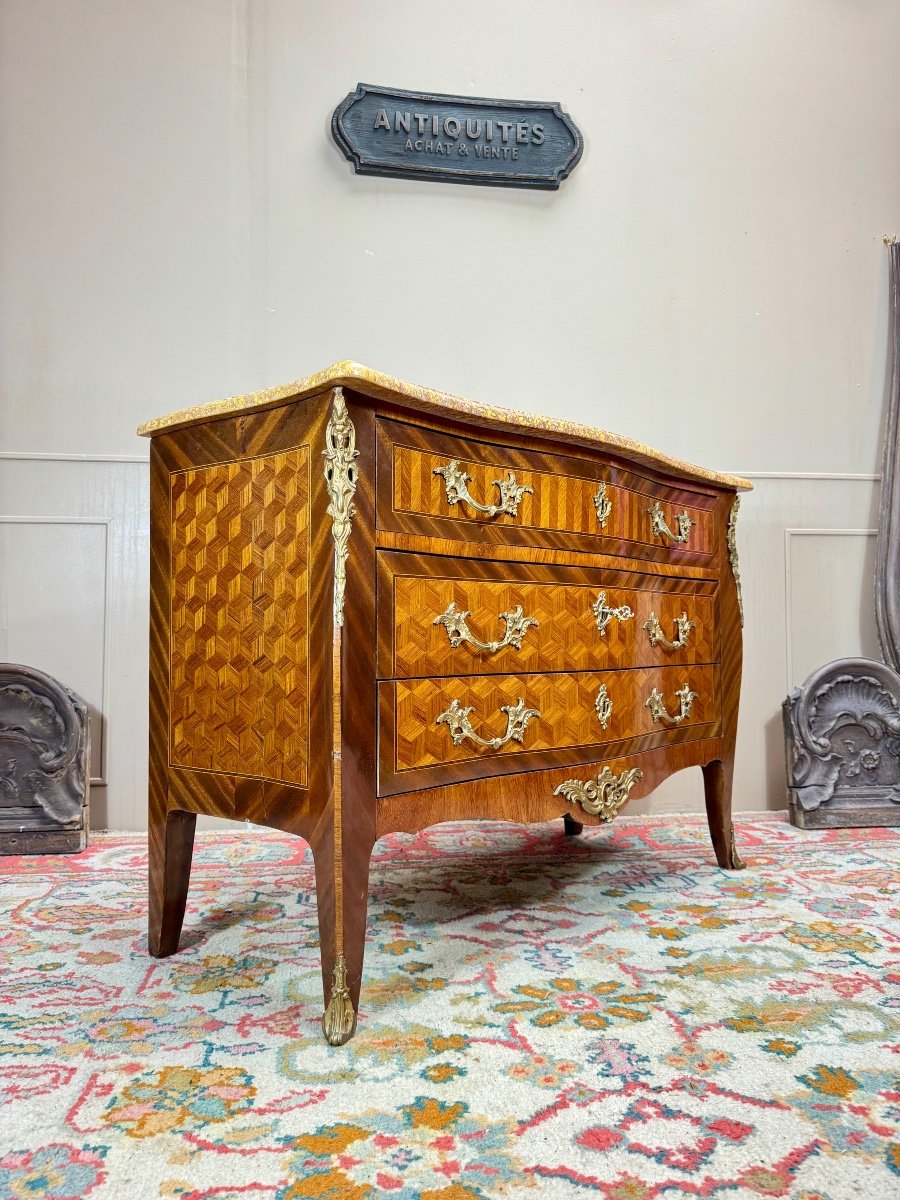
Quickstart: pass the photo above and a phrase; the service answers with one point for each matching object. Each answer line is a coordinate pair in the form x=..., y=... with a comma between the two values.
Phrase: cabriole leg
x=171, y=848
x=717, y=779
x=341, y=887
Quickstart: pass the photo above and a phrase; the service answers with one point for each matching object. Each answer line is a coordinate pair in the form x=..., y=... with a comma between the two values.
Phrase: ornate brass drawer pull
x=456, y=480
x=683, y=627
x=454, y=621
x=456, y=718
x=603, y=505
x=457, y=630
x=661, y=529
x=657, y=706
x=604, y=614
x=603, y=796
x=604, y=706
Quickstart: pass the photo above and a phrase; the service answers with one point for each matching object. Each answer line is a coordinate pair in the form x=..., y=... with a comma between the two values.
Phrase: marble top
x=386, y=387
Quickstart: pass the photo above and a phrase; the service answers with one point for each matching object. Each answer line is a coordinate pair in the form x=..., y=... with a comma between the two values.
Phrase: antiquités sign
x=458, y=139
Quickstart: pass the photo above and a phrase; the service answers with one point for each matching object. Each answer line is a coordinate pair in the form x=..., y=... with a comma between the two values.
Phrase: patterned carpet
x=542, y=1017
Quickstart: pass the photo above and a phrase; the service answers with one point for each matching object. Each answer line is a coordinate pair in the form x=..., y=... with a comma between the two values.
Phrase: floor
x=609, y=1015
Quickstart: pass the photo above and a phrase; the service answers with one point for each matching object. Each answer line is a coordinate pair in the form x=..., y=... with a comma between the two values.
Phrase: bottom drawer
x=437, y=731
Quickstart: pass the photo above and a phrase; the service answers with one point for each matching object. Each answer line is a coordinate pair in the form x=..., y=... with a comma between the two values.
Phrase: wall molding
x=843, y=476
x=47, y=456
x=106, y=666
x=789, y=534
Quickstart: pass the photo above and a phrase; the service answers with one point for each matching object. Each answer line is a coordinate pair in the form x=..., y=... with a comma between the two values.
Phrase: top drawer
x=435, y=485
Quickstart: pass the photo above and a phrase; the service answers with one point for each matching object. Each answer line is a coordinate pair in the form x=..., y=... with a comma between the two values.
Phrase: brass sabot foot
x=735, y=862
x=339, y=1018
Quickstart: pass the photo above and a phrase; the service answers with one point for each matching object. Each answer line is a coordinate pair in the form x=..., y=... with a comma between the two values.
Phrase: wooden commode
x=375, y=607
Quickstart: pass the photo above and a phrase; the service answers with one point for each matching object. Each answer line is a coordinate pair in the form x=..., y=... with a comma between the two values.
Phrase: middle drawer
x=449, y=617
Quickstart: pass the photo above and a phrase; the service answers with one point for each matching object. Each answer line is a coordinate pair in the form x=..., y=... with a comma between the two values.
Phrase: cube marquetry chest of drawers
x=375, y=607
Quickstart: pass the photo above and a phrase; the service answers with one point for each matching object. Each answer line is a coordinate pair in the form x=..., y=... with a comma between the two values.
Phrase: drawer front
x=439, y=722
x=443, y=616
x=449, y=487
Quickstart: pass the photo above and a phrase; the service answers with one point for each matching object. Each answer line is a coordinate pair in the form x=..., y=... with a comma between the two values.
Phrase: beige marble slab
x=386, y=387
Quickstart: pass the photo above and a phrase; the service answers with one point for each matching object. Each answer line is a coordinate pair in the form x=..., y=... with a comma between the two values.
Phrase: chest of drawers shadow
x=375, y=607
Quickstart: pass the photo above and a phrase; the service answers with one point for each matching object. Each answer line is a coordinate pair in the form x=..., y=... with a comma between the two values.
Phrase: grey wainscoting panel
x=74, y=570
x=54, y=609
x=828, y=598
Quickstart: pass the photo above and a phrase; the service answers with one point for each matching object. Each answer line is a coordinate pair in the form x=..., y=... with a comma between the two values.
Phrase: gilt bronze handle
x=454, y=621
x=657, y=706
x=661, y=529
x=456, y=718
x=603, y=613
x=456, y=481
x=683, y=627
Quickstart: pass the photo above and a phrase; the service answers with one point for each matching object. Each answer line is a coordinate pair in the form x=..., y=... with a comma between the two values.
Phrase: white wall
x=176, y=225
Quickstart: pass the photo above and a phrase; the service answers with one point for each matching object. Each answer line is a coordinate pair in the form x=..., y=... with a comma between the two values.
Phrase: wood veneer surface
x=262, y=708
x=414, y=591
x=558, y=512
x=239, y=668
x=564, y=701
x=555, y=501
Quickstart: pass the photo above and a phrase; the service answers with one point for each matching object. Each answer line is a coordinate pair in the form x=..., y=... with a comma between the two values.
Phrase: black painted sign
x=456, y=139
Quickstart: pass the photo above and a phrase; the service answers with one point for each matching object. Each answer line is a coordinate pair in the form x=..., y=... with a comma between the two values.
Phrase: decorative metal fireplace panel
x=44, y=756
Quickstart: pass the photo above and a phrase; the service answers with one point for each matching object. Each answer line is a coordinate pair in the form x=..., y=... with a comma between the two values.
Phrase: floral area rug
x=609, y=1015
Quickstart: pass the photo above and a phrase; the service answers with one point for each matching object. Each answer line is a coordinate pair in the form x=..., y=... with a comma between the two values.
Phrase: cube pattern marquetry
x=566, y=637
x=239, y=687
x=566, y=703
